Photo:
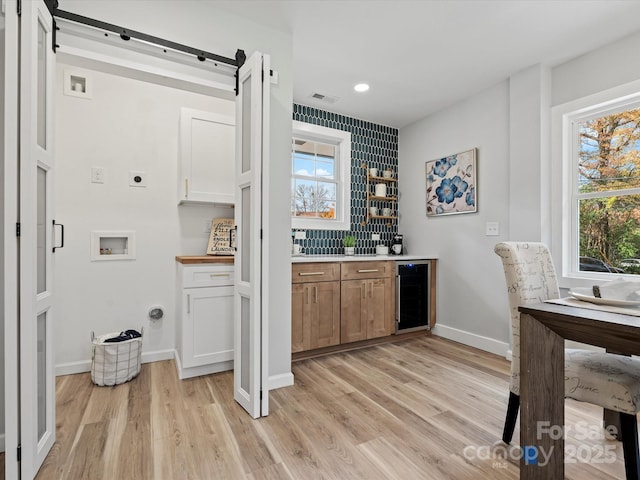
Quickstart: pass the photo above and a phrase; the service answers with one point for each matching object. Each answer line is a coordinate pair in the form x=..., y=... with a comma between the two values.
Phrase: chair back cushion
x=531, y=278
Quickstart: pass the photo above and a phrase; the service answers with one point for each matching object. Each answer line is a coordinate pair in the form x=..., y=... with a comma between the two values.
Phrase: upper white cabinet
x=207, y=157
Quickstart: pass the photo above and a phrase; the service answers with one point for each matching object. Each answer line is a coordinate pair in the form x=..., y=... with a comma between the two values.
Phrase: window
x=601, y=189
x=320, y=178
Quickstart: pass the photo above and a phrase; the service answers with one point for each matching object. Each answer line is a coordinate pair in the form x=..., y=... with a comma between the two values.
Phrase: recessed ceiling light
x=361, y=87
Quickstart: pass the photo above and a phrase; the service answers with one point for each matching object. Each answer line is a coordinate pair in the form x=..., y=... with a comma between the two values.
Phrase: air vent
x=321, y=97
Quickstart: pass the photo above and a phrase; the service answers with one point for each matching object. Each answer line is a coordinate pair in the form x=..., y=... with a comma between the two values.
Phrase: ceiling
x=420, y=56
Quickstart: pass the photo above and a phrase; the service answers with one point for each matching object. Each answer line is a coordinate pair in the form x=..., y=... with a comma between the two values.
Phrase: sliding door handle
x=61, y=235
x=232, y=237
x=233, y=234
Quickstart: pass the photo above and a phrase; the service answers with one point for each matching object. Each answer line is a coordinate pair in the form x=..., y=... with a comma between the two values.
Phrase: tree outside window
x=320, y=178
x=313, y=179
x=608, y=190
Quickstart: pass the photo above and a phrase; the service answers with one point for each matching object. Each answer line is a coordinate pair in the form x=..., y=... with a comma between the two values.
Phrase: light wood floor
x=408, y=410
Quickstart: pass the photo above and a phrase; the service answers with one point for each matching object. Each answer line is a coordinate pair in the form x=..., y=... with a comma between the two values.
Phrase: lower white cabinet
x=205, y=319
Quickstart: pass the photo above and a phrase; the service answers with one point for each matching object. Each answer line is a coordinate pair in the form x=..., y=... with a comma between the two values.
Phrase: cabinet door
x=324, y=299
x=380, y=307
x=208, y=326
x=353, y=320
x=300, y=317
x=207, y=157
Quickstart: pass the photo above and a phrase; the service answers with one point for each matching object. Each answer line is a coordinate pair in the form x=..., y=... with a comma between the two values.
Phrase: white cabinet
x=205, y=319
x=207, y=157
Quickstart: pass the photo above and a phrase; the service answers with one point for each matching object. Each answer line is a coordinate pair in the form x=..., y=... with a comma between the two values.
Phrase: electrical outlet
x=137, y=179
x=301, y=235
x=375, y=236
x=97, y=175
x=493, y=229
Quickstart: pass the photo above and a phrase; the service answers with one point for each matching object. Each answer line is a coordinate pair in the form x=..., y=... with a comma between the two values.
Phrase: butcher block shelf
x=191, y=259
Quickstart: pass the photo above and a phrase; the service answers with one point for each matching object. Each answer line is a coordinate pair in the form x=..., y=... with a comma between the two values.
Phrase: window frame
x=342, y=141
x=564, y=231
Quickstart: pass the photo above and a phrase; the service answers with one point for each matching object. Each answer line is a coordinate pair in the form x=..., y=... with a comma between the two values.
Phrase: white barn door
x=37, y=379
x=251, y=332
x=9, y=49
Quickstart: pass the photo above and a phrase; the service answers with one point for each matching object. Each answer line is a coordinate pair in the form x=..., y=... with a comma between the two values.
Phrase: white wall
x=470, y=308
x=126, y=125
x=607, y=67
x=529, y=116
x=510, y=126
x=203, y=25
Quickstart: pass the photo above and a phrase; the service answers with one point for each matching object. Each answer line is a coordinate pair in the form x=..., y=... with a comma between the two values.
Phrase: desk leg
x=611, y=423
x=541, y=401
x=611, y=418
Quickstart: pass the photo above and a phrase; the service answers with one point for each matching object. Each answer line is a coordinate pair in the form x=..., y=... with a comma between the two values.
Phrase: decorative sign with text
x=222, y=239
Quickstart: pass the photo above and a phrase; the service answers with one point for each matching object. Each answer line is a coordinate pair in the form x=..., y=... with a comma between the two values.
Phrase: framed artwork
x=222, y=239
x=451, y=184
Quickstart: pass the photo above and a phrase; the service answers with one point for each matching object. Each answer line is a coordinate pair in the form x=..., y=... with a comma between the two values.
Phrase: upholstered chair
x=610, y=381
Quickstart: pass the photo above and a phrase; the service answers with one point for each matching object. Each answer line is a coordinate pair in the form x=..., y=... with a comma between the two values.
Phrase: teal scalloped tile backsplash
x=373, y=144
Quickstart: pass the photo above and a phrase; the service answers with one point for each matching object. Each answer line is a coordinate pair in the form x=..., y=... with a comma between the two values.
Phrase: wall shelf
x=382, y=199
x=379, y=201
x=380, y=179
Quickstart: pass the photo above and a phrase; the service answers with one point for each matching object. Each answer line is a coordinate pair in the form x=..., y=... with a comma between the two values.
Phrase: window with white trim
x=320, y=178
x=601, y=217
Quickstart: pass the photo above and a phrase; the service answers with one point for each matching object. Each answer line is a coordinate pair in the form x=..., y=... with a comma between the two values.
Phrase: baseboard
x=473, y=340
x=2, y=442
x=491, y=345
x=157, y=356
x=72, y=368
x=190, y=372
x=279, y=381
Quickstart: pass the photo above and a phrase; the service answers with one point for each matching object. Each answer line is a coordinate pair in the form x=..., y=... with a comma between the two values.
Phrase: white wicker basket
x=113, y=363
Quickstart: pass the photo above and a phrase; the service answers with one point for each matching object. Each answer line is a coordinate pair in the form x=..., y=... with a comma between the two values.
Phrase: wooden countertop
x=357, y=258
x=193, y=259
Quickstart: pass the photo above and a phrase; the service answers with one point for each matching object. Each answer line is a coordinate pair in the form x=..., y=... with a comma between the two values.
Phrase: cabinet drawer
x=207, y=276
x=358, y=270
x=314, y=272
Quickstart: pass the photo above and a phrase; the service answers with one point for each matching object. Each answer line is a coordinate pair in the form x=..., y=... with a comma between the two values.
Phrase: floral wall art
x=451, y=184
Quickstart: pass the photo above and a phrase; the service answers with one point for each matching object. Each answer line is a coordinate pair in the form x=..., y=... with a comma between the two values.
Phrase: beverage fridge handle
x=398, y=298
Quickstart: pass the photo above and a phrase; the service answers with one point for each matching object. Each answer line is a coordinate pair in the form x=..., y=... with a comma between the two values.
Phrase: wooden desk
x=543, y=329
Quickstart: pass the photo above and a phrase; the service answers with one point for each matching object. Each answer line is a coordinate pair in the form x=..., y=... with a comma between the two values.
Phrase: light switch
x=493, y=229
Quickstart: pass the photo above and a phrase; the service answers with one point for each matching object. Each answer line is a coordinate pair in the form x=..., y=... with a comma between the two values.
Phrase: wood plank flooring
x=423, y=408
